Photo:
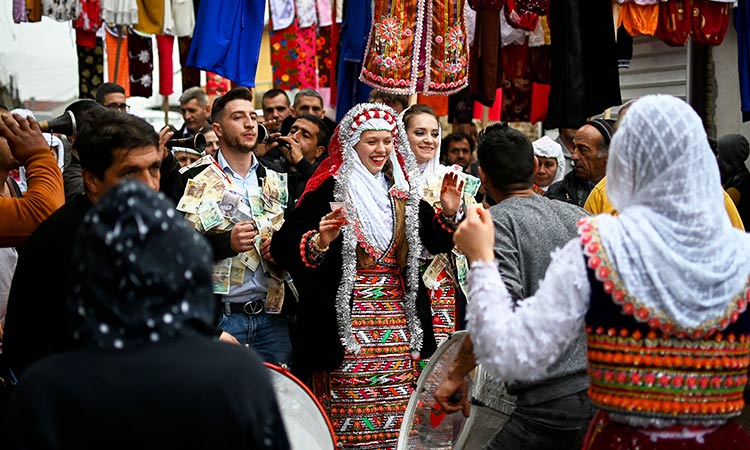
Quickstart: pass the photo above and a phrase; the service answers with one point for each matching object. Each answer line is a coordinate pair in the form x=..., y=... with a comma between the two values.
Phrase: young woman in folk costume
x=355, y=263
x=662, y=290
x=424, y=133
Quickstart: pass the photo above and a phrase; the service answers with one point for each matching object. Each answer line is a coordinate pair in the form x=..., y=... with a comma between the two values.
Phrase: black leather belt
x=251, y=308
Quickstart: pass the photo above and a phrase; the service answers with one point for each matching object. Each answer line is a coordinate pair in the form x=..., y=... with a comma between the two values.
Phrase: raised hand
x=450, y=193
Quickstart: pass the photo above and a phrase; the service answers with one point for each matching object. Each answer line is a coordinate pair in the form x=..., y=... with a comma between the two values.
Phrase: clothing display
x=120, y=12
x=61, y=10
x=585, y=78
x=90, y=68
x=226, y=39
x=417, y=46
x=118, y=67
x=141, y=64
x=150, y=16
x=165, y=47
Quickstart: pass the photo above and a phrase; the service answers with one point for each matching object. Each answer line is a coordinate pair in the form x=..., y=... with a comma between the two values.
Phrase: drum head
x=490, y=407
x=416, y=431
x=306, y=422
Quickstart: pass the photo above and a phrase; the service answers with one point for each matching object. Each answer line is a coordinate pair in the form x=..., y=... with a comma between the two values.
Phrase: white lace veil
x=672, y=244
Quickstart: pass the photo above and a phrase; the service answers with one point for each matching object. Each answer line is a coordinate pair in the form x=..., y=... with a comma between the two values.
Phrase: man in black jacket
x=302, y=150
x=244, y=305
x=589, y=158
x=112, y=146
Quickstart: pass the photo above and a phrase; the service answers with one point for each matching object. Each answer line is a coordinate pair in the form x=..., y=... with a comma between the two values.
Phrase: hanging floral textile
x=141, y=61
x=90, y=68
x=417, y=46
x=284, y=56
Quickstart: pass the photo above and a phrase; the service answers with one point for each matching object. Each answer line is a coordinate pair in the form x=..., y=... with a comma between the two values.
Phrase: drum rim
x=403, y=438
x=312, y=396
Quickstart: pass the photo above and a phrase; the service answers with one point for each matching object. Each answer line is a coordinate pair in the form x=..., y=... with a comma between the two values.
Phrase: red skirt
x=606, y=434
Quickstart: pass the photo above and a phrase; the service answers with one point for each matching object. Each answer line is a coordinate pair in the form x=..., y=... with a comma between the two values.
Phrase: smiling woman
x=352, y=247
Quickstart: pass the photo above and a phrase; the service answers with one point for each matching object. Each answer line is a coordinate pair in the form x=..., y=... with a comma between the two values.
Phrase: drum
x=490, y=407
x=305, y=420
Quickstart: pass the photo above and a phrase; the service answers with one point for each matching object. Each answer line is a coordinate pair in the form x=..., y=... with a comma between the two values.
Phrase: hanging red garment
x=710, y=21
x=165, y=47
x=90, y=18
x=438, y=103
x=516, y=83
x=495, y=112
x=675, y=22
x=306, y=64
x=216, y=84
x=417, y=46
x=516, y=18
x=117, y=60
x=639, y=20
x=284, y=56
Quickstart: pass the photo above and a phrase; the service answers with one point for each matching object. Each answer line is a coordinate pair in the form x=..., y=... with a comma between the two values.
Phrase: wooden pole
x=117, y=56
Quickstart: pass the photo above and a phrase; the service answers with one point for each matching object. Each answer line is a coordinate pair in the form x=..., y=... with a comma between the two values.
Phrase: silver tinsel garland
x=349, y=238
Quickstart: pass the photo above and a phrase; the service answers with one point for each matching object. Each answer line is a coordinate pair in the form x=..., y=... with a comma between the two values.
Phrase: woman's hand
x=450, y=193
x=330, y=227
x=475, y=236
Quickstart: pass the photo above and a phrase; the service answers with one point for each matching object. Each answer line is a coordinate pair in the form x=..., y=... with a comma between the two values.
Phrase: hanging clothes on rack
x=675, y=22
x=585, y=79
x=417, y=46
x=118, y=70
x=141, y=63
x=357, y=20
x=90, y=67
x=227, y=38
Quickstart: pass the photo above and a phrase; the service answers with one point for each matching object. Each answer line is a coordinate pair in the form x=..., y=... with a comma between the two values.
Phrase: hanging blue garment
x=742, y=25
x=355, y=30
x=227, y=39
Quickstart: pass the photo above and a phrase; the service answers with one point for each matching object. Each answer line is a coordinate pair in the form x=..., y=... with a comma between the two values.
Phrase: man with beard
x=244, y=315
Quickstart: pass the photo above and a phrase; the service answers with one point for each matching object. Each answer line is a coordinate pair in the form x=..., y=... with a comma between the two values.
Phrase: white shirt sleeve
x=521, y=344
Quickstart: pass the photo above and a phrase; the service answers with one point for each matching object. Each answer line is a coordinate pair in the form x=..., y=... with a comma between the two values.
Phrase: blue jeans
x=555, y=425
x=267, y=334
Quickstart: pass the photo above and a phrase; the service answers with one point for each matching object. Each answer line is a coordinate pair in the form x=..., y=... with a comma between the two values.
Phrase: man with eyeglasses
x=112, y=95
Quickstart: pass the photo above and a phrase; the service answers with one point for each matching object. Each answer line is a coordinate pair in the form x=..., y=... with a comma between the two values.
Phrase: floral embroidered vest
x=643, y=365
x=417, y=46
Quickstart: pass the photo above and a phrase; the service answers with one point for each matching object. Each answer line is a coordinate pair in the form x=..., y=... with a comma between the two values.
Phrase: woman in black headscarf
x=149, y=375
x=735, y=178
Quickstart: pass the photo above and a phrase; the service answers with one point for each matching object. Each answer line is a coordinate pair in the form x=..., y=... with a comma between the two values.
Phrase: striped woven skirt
x=370, y=390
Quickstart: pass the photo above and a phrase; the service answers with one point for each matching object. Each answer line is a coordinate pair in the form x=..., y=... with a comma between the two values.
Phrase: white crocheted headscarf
x=547, y=147
x=672, y=243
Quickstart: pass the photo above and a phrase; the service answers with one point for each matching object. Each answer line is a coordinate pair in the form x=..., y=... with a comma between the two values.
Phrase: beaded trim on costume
x=613, y=285
x=665, y=373
x=349, y=236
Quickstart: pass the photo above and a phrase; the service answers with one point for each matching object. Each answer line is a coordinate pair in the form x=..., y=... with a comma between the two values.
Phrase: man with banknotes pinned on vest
x=237, y=204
